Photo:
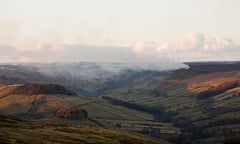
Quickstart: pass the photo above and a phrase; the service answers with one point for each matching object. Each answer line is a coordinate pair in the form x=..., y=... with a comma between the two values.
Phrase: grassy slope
x=13, y=131
x=179, y=94
x=99, y=111
x=181, y=88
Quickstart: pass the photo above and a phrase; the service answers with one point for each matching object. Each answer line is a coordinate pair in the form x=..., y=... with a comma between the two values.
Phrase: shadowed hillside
x=204, y=98
x=43, y=101
x=195, y=105
x=13, y=131
x=89, y=79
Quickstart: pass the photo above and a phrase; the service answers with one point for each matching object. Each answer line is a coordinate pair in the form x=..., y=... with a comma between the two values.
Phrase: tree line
x=159, y=112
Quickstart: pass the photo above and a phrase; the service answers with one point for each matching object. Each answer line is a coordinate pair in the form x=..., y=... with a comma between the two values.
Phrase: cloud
x=45, y=47
x=127, y=55
x=40, y=53
x=8, y=54
x=145, y=55
x=75, y=53
x=189, y=42
x=193, y=47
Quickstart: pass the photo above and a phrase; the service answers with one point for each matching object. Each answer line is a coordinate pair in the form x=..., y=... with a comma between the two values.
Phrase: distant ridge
x=34, y=89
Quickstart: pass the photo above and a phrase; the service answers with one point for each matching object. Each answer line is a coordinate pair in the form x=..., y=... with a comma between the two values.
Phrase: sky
x=119, y=30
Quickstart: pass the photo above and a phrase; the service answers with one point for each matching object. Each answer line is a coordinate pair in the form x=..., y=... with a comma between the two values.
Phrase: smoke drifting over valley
x=150, y=37
x=87, y=78
x=142, y=55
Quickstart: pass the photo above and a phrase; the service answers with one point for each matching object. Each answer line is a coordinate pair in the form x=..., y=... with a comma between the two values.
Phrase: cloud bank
x=192, y=47
x=146, y=55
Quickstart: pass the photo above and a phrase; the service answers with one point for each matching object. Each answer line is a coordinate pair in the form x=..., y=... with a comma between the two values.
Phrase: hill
x=88, y=79
x=43, y=102
x=33, y=100
x=35, y=89
x=14, y=131
x=205, y=100
x=195, y=105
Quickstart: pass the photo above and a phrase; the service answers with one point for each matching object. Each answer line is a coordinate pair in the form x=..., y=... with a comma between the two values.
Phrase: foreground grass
x=13, y=131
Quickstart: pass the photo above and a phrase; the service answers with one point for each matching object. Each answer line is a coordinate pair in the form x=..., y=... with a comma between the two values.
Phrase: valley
x=195, y=105
x=208, y=119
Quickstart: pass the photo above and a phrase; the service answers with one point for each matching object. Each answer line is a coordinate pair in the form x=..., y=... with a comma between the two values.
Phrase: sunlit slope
x=206, y=96
x=179, y=89
x=38, y=99
x=36, y=105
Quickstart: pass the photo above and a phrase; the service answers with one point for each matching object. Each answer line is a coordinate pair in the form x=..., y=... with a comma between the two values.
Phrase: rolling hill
x=55, y=103
x=195, y=105
x=204, y=97
x=28, y=132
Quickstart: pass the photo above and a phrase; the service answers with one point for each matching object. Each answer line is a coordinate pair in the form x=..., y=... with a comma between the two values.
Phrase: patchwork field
x=195, y=105
x=179, y=92
x=13, y=131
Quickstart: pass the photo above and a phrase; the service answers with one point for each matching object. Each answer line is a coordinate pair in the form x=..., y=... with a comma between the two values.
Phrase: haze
x=119, y=31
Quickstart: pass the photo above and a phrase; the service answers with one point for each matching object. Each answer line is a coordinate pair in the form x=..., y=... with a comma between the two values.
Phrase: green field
x=217, y=112
x=195, y=105
x=13, y=131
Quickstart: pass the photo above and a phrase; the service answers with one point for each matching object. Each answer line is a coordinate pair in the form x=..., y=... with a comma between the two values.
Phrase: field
x=179, y=92
x=100, y=112
x=195, y=105
x=13, y=131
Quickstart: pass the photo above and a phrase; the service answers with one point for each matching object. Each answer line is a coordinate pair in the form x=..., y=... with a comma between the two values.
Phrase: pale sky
x=181, y=30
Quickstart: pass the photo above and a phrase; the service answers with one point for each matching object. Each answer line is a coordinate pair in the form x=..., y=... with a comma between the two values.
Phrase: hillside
x=88, y=79
x=205, y=99
x=35, y=89
x=33, y=100
x=43, y=102
x=14, y=131
x=195, y=105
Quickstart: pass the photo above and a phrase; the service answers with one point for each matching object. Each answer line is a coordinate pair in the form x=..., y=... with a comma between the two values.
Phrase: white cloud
x=192, y=47
x=101, y=54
